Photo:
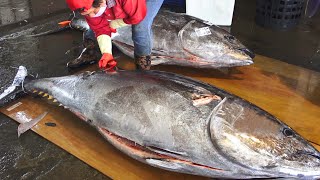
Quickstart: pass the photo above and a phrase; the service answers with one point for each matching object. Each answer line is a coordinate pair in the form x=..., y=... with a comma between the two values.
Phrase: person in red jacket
x=104, y=16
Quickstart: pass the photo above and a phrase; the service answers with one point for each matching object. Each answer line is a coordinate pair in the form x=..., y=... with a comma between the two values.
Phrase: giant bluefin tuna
x=180, y=124
x=180, y=39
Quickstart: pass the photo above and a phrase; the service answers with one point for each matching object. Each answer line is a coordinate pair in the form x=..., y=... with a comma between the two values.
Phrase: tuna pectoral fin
x=165, y=164
x=23, y=127
x=166, y=152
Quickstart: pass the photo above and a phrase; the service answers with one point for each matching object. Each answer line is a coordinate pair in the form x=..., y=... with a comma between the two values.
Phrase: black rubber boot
x=89, y=55
x=142, y=62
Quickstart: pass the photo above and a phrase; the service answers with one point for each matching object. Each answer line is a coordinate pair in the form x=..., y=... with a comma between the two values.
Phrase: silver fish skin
x=180, y=39
x=151, y=116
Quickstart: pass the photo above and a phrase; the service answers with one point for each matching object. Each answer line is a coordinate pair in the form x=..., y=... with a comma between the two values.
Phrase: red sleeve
x=132, y=11
x=100, y=25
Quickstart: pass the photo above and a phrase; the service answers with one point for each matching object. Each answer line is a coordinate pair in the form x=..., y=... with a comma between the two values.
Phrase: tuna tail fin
x=15, y=90
x=64, y=25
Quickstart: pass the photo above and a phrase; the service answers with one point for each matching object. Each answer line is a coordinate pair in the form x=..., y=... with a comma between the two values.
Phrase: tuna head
x=213, y=45
x=252, y=138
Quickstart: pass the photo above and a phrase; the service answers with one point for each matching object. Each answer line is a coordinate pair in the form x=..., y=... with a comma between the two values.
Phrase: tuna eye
x=288, y=132
x=230, y=38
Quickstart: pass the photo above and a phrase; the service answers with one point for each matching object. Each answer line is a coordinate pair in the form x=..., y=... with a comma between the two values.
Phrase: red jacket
x=131, y=11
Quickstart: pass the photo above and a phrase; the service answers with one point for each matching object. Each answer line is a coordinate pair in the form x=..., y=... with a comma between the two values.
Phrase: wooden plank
x=291, y=93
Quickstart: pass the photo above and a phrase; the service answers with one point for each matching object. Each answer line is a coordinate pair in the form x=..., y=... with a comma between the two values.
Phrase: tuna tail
x=15, y=90
x=64, y=25
x=50, y=32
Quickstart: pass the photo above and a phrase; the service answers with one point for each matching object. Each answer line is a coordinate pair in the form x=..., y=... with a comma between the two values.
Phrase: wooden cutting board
x=289, y=92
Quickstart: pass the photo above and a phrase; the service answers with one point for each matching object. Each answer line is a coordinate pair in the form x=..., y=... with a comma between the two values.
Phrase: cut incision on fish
x=202, y=99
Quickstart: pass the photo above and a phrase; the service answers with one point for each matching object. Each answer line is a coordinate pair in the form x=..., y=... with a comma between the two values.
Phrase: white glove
x=105, y=44
x=117, y=23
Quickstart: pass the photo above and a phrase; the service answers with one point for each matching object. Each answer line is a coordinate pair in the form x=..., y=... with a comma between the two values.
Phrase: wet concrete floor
x=32, y=157
x=299, y=46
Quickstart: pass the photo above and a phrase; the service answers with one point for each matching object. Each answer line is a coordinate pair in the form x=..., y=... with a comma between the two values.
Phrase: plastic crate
x=178, y=3
x=279, y=14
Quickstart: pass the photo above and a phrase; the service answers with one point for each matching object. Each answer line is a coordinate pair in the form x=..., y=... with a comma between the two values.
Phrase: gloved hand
x=117, y=23
x=107, y=62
